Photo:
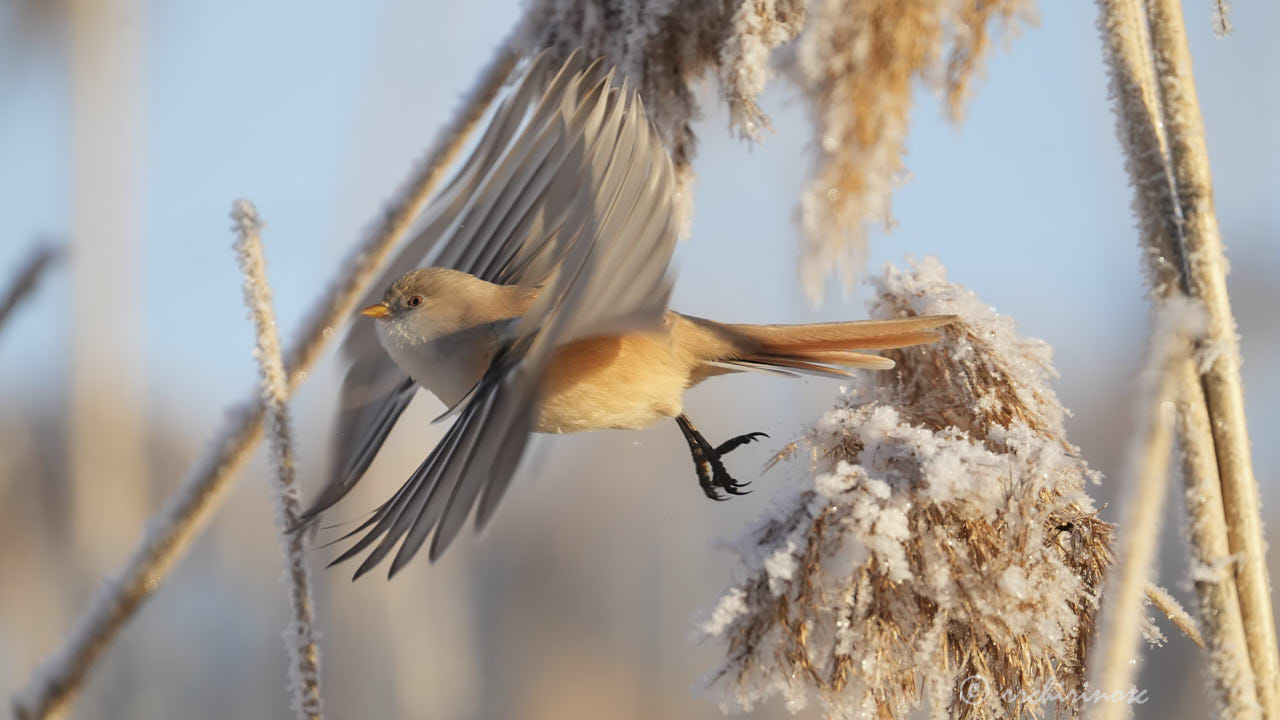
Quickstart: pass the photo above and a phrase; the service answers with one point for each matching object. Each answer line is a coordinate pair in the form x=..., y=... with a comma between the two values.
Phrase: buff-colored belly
x=626, y=382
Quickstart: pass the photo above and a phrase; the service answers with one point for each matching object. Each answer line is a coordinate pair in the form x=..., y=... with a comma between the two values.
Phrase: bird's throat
x=449, y=365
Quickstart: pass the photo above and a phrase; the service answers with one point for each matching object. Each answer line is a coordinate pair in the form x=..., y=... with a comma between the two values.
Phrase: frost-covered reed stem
x=26, y=279
x=1228, y=660
x=1161, y=130
x=1206, y=272
x=1178, y=615
x=171, y=530
x=1138, y=125
x=1147, y=479
x=300, y=636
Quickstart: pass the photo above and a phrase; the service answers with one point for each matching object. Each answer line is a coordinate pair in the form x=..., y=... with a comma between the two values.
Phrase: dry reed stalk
x=1146, y=481
x=300, y=635
x=1172, y=609
x=1206, y=269
x=1230, y=673
x=176, y=524
x=106, y=423
x=1160, y=128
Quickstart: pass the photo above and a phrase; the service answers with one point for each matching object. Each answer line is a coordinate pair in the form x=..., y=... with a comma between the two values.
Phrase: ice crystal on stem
x=944, y=547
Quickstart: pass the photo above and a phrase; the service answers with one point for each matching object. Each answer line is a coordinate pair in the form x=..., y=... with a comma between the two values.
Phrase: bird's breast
x=449, y=365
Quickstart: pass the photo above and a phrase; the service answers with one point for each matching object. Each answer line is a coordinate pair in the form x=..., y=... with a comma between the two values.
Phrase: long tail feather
x=855, y=335
x=818, y=349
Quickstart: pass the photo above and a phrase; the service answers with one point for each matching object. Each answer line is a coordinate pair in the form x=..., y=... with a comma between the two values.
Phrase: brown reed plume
x=944, y=547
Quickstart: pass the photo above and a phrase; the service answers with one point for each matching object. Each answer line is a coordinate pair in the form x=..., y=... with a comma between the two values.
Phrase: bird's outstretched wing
x=570, y=190
x=375, y=392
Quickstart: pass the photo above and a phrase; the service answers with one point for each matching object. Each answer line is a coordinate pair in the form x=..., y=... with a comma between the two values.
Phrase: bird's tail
x=826, y=349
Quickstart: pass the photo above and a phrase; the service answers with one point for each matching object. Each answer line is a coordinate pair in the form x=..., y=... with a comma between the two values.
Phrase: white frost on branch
x=944, y=533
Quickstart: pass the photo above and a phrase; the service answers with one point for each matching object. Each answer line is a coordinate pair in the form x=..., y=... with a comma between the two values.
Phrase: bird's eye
x=415, y=301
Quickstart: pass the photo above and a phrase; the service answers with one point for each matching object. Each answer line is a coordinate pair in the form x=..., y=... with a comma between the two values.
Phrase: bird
x=533, y=298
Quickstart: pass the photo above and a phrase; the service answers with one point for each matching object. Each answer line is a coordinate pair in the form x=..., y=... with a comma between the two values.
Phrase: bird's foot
x=708, y=460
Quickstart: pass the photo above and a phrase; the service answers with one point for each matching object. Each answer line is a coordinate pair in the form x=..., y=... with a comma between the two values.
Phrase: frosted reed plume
x=858, y=60
x=300, y=635
x=945, y=546
x=27, y=278
x=174, y=526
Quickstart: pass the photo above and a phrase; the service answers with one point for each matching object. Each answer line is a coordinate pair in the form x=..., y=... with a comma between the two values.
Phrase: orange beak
x=376, y=311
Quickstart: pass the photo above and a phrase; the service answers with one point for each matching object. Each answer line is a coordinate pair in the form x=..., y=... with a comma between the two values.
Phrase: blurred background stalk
x=109, y=490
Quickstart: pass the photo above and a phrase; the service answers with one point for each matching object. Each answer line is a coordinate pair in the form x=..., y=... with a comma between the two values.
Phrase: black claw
x=707, y=458
x=736, y=442
x=726, y=482
x=721, y=478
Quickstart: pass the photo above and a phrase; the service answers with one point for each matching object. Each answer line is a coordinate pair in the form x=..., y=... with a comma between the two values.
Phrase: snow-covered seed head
x=943, y=546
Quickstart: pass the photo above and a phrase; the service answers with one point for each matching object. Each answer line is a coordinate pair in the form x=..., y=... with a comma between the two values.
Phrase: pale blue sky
x=316, y=111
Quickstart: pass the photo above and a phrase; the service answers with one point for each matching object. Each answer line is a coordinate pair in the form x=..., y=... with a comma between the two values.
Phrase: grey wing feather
x=375, y=394
x=370, y=390
x=371, y=387
x=579, y=203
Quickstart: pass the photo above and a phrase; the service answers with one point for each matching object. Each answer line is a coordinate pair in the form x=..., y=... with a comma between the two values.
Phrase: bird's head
x=427, y=303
